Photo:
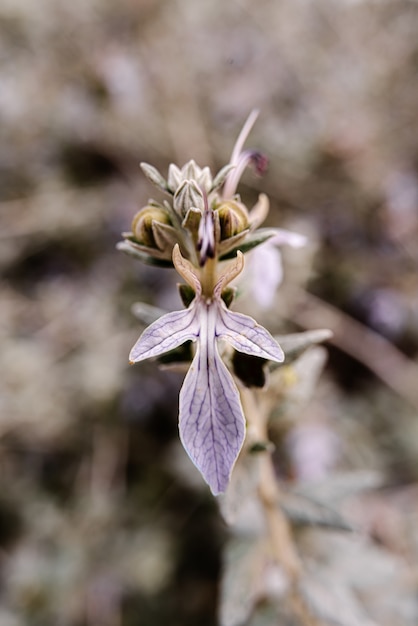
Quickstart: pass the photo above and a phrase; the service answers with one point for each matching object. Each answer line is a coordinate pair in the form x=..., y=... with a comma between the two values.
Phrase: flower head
x=211, y=421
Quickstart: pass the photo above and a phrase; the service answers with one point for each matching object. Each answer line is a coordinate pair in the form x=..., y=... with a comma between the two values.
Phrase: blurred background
x=103, y=520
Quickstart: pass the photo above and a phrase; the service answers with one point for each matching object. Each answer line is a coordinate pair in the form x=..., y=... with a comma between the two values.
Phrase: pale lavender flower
x=263, y=272
x=211, y=421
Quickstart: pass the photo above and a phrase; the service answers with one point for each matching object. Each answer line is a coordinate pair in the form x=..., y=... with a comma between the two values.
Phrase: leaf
x=154, y=176
x=238, y=505
x=226, y=245
x=295, y=344
x=335, y=488
x=221, y=176
x=268, y=614
x=187, y=294
x=146, y=313
x=334, y=602
x=305, y=372
x=251, y=241
x=146, y=255
x=306, y=511
x=243, y=563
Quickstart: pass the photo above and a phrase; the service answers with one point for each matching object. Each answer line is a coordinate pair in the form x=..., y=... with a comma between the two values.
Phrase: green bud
x=188, y=196
x=142, y=224
x=233, y=218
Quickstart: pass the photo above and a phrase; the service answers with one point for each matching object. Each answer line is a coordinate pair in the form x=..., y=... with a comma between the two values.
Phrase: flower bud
x=188, y=196
x=233, y=218
x=142, y=224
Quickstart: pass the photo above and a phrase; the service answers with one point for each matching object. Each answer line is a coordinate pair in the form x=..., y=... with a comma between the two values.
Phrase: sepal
x=142, y=253
x=154, y=176
x=250, y=242
x=187, y=294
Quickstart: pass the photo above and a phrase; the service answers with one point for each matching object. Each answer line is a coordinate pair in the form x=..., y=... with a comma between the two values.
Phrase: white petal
x=288, y=237
x=265, y=273
x=245, y=335
x=211, y=421
x=166, y=333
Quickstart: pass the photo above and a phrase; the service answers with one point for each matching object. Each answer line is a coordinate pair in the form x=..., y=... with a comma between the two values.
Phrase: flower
x=211, y=421
x=264, y=269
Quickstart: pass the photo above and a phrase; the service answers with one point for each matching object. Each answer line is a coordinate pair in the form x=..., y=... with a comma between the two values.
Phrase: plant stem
x=279, y=530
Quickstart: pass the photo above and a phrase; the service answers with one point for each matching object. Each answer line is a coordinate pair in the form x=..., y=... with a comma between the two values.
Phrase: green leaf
x=250, y=242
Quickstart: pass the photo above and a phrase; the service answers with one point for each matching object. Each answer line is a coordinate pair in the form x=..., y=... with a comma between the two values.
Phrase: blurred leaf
x=251, y=241
x=242, y=567
x=147, y=313
x=333, y=602
x=294, y=345
x=140, y=253
x=268, y=614
x=338, y=486
x=296, y=384
x=306, y=511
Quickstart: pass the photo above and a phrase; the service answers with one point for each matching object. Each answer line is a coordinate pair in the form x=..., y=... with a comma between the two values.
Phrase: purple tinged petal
x=211, y=421
x=245, y=131
x=233, y=177
x=245, y=335
x=166, y=333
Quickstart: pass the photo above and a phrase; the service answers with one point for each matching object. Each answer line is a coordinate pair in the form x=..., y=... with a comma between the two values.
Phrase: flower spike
x=203, y=224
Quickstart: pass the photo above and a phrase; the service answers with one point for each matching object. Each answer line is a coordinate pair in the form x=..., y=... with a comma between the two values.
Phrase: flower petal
x=288, y=237
x=166, y=333
x=211, y=421
x=186, y=270
x=231, y=271
x=245, y=335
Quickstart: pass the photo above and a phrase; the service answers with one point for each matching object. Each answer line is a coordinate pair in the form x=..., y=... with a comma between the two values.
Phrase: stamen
x=249, y=157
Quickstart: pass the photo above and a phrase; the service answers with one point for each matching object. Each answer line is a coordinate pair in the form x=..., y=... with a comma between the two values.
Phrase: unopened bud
x=142, y=224
x=154, y=176
x=233, y=218
x=188, y=196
